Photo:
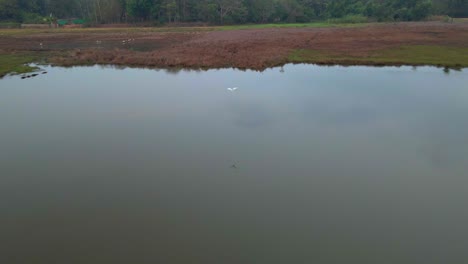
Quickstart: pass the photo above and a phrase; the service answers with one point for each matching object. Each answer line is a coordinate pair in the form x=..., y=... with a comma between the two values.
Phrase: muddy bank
x=251, y=48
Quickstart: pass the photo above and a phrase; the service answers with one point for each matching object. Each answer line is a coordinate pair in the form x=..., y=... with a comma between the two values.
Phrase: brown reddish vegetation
x=252, y=48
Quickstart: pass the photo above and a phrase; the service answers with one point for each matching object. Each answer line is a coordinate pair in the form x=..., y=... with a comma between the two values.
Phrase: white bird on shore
x=232, y=89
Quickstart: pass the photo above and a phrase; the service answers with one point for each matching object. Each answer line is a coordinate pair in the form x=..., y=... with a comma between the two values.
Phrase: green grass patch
x=350, y=19
x=164, y=29
x=290, y=25
x=30, y=31
x=455, y=57
x=9, y=25
x=16, y=63
x=422, y=54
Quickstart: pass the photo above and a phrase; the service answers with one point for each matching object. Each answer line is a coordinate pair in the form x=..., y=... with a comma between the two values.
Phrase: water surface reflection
x=332, y=165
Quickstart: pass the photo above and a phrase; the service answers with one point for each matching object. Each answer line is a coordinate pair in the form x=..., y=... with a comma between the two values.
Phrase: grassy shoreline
x=244, y=46
x=169, y=29
x=17, y=63
x=415, y=55
x=208, y=28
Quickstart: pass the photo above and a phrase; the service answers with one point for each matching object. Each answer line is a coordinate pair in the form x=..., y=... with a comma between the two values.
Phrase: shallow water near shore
x=300, y=164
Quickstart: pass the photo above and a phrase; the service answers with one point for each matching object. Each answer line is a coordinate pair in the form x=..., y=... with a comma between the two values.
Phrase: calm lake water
x=303, y=165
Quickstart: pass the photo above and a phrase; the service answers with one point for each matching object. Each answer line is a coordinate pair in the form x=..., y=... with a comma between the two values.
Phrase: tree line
x=226, y=11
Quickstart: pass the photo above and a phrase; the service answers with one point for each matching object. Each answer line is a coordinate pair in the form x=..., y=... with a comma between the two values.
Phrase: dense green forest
x=225, y=11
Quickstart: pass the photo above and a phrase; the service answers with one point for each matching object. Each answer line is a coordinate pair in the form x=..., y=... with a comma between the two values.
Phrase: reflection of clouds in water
x=342, y=116
x=434, y=136
x=252, y=115
x=250, y=111
x=332, y=107
x=446, y=144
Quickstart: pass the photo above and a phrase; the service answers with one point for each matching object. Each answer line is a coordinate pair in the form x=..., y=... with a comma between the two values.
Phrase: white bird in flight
x=232, y=89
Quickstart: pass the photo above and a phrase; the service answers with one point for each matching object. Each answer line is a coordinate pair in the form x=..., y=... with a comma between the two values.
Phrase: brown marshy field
x=254, y=47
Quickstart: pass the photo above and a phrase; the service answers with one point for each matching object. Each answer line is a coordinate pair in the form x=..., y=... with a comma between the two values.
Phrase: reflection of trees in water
x=448, y=69
x=173, y=70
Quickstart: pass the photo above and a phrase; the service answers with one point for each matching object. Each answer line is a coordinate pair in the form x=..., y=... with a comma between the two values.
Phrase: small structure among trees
x=73, y=22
